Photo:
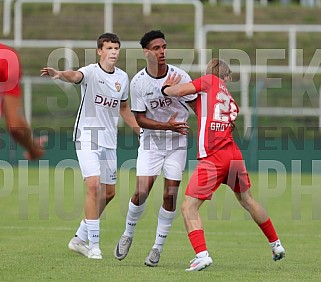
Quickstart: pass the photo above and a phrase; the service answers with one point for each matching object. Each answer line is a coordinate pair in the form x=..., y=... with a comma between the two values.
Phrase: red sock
x=197, y=240
x=269, y=231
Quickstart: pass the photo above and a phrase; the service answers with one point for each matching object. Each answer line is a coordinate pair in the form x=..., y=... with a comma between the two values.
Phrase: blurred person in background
x=11, y=105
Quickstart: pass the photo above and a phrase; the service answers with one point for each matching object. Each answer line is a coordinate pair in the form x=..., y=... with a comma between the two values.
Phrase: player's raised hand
x=180, y=127
x=51, y=72
x=172, y=79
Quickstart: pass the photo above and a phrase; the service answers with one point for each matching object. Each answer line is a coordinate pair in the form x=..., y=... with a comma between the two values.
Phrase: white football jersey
x=98, y=114
x=146, y=96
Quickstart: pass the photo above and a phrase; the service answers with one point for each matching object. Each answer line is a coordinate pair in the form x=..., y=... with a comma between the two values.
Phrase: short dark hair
x=151, y=35
x=107, y=37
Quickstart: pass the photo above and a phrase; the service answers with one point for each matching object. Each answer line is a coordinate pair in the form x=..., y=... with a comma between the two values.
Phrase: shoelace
x=126, y=241
x=154, y=255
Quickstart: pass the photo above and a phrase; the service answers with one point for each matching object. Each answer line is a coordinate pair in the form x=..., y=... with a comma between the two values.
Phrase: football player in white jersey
x=104, y=94
x=163, y=142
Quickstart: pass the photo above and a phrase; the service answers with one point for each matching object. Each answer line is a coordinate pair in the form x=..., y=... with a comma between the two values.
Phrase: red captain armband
x=163, y=88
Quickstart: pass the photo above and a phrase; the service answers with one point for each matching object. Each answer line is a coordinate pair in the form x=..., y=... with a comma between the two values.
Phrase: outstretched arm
x=172, y=88
x=179, y=89
x=67, y=76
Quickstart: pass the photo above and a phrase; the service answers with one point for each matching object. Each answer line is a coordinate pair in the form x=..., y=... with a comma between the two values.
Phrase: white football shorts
x=151, y=163
x=95, y=160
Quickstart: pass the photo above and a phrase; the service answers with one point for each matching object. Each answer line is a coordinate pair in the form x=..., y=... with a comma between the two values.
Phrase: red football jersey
x=10, y=73
x=215, y=110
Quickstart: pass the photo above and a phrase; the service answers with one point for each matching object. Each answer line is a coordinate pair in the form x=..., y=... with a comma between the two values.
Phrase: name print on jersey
x=160, y=103
x=105, y=101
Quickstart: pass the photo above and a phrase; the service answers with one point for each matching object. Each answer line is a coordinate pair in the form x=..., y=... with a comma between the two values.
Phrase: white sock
x=93, y=233
x=165, y=219
x=82, y=233
x=133, y=215
x=202, y=254
x=275, y=243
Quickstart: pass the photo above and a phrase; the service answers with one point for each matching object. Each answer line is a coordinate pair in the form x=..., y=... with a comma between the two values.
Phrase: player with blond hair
x=220, y=159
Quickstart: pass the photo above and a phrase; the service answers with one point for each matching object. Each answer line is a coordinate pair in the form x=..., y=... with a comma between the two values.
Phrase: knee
x=170, y=200
x=92, y=190
x=110, y=195
x=139, y=197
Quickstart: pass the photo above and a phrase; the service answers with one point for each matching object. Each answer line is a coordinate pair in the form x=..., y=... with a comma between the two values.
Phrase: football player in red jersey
x=220, y=159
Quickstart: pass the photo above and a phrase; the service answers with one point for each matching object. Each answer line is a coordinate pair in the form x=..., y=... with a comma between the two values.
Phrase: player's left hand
x=180, y=127
x=172, y=79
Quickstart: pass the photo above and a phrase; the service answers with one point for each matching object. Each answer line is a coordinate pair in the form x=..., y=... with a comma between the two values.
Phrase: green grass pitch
x=41, y=210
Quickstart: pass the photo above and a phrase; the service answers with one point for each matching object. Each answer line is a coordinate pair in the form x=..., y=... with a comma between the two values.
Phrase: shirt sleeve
x=202, y=83
x=126, y=89
x=86, y=70
x=137, y=102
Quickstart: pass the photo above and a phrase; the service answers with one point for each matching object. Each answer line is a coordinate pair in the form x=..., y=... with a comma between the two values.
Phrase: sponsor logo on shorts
x=113, y=176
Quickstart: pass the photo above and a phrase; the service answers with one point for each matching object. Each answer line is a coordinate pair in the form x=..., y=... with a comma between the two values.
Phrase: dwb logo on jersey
x=160, y=103
x=106, y=102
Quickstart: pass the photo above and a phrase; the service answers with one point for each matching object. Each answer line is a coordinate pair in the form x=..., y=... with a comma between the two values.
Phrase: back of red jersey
x=216, y=109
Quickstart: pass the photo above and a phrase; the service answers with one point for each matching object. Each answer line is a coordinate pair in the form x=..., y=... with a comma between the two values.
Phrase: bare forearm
x=19, y=128
x=153, y=124
x=67, y=76
x=128, y=117
x=171, y=124
x=179, y=89
x=70, y=76
x=132, y=123
x=22, y=135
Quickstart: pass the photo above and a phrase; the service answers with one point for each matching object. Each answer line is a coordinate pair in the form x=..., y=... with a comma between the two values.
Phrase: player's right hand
x=51, y=72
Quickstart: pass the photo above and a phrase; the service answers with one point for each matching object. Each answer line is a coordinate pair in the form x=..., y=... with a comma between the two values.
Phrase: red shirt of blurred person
x=10, y=73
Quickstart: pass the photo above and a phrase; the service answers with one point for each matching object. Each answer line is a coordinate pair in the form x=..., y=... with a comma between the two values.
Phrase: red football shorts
x=224, y=166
